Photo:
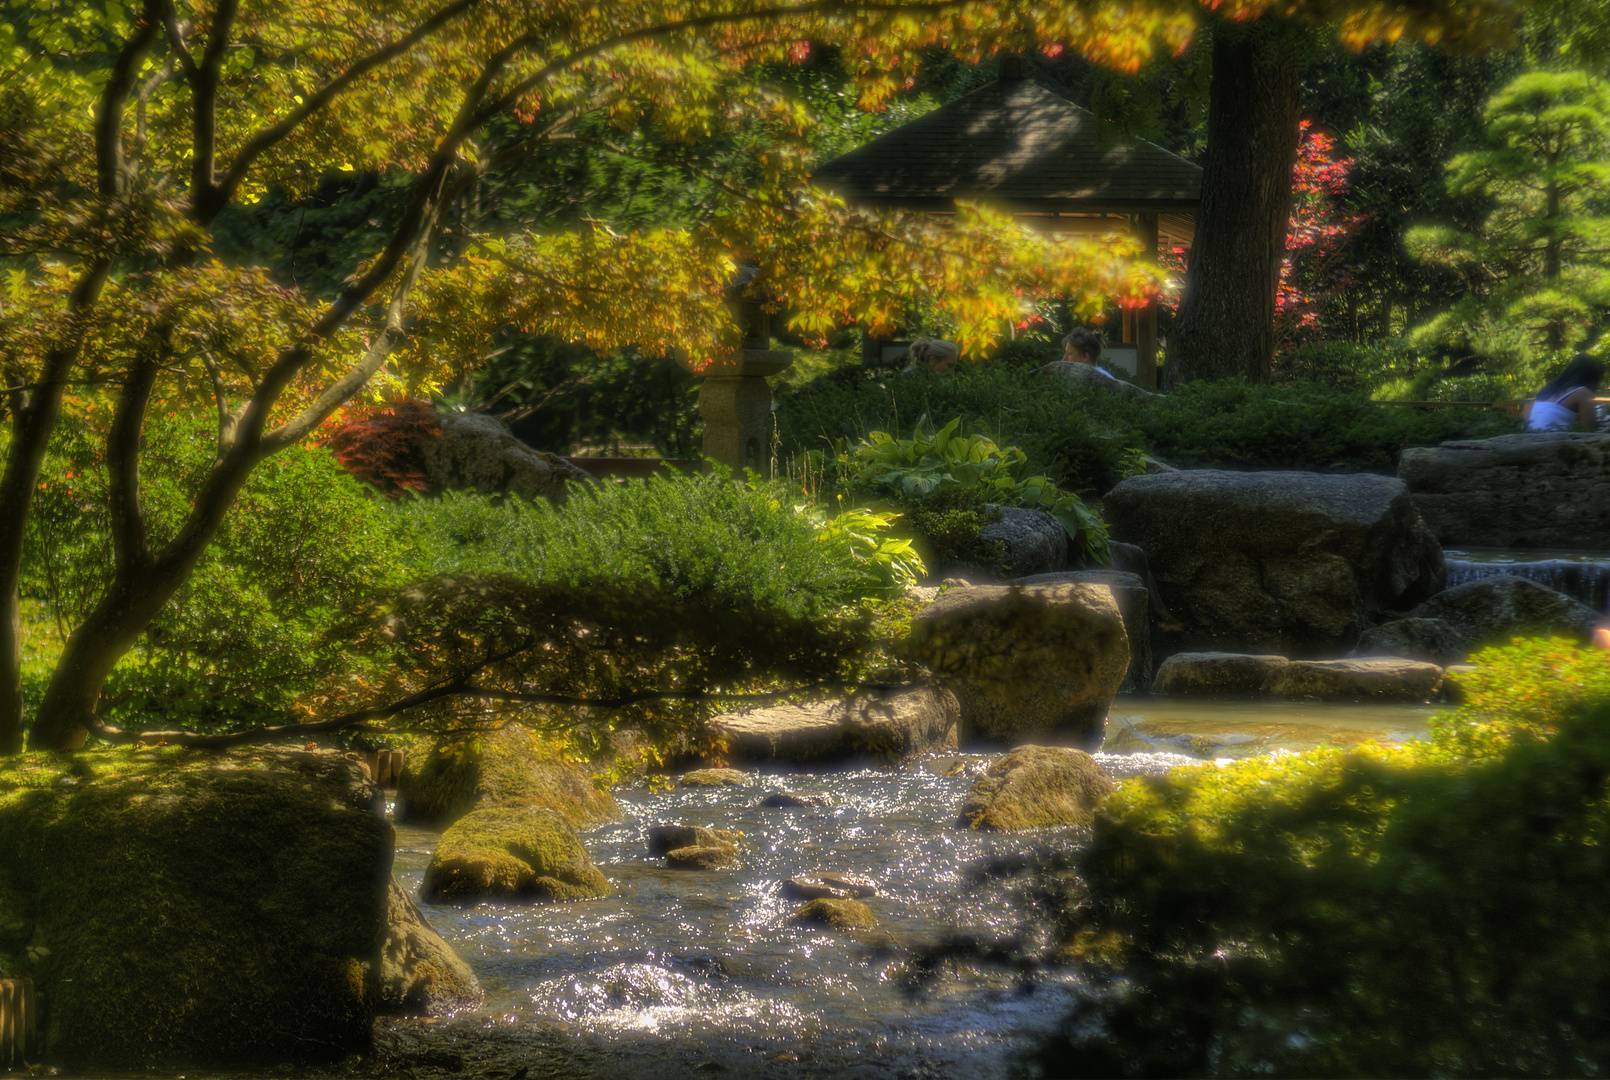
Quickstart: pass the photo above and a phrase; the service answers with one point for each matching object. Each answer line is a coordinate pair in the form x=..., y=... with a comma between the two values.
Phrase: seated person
x=934, y=354
x=1084, y=347
x=1568, y=399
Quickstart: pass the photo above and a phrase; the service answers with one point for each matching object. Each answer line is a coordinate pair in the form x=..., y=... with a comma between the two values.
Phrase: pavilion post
x=1146, y=318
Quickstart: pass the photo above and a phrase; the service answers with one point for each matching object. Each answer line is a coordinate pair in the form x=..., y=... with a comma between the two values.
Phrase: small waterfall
x=1584, y=577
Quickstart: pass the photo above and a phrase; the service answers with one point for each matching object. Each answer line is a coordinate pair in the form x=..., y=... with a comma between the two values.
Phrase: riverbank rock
x=180, y=909
x=1215, y=673
x=1235, y=739
x=702, y=857
x=1036, y=787
x=664, y=838
x=713, y=778
x=836, y=915
x=1032, y=541
x=1379, y=678
x=1036, y=660
x=1490, y=611
x=1133, y=604
x=479, y=453
x=1544, y=489
x=829, y=887
x=509, y=767
x=419, y=973
x=1071, y=375
x=889, y=725
x=1293, y=563
x=513, y=853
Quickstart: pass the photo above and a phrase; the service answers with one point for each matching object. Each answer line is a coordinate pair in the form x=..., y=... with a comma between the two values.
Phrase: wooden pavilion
x=1056, y=165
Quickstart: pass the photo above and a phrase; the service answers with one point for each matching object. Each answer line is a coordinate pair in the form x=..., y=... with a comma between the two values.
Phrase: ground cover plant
x=1086, y=440
x=1434, y=908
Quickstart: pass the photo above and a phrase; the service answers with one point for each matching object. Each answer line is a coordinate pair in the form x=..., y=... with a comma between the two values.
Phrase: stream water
x=1584, y=575
x=686, y=971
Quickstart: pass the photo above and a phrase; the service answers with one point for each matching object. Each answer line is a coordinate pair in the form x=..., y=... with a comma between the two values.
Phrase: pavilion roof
x=1016, y=142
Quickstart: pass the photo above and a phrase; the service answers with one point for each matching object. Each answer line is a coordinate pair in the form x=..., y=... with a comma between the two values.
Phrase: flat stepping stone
x=787, y=800
x=835, y=915
x=713, y=778
x=1210, y=673
x=829, y=887
x=1380, y=678
x=702, y=858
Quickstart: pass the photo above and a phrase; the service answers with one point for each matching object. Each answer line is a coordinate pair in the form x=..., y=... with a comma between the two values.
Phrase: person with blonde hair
x=936, y=354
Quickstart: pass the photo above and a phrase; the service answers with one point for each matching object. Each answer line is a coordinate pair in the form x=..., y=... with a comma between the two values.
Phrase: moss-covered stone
x=419, y=972
x=713, y=778
x=702, y=857
x=180, y=908
x=514, y=853
x=510, y=767
x=836, y=915
x=1036, y=787
x=664, y=838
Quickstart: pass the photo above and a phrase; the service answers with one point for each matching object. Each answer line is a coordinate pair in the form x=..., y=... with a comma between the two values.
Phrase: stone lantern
x=735, y=400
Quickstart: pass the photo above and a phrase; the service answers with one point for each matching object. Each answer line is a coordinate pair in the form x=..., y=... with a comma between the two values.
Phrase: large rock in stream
x=1490, y=611
x=1292, y=563
x=1543, y=489
x=1036, y=787
x=181, y=910
x=506, y=768
x=890, y=725
x=511, y=853
x=1034, y=660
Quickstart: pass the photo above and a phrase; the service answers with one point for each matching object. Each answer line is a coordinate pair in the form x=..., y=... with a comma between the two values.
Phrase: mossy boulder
x=1030, y=660
x=509, y=852
x=510, y=767
x=702, y=857
x=713, y=778
x=664, y=838
x=833, y=914
x=419, y=972
x=186, y=909
x=1036, y=787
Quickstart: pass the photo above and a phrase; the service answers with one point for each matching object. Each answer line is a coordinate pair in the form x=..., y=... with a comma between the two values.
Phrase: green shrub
x=1085, y=439
x=702, y=537
x=1435, y=908
x=947, y=472
x=248, y=632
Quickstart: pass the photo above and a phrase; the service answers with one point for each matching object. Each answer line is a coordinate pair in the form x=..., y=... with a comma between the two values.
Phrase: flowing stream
x=1584, y=575
x=687, y=971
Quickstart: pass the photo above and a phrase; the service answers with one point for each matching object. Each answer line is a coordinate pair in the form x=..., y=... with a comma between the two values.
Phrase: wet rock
x=712, y=778
x=833, y=914
x=712, y=857
x=1033, y=660
x=510, y=767
x=1036, y=787
x=890, y=725
x=419, y=974
x=1292, y=563
x=1435, y=641
x=1032, y=541
x=511, y=853
x=1236, y=739
x=1380, y=678
x=789, y=800
x=1546, y=489
x=664, y=838
x=829, y=887
x=190, y=909
x=1078, y=376
x=1214, y=673
x=479, y=453
x=1490, y=611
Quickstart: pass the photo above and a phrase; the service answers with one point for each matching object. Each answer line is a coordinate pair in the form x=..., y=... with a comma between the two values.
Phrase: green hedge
x=1084, y=438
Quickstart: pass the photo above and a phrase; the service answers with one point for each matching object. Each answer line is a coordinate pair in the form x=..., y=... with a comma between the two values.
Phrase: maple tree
x=1314, y=268
x=128, y=132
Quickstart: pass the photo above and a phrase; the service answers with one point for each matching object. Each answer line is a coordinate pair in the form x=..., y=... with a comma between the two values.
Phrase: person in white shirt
x=1084, y=347
x=1568, y=398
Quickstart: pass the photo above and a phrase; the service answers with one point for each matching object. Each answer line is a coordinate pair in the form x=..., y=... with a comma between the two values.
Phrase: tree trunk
x=1226, y=320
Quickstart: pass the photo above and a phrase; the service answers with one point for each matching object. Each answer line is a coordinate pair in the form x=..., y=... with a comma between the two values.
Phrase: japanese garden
x=905, y=539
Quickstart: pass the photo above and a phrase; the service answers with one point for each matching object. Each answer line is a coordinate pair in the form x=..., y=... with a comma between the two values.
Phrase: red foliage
x=380, y=443
x=1313, y=269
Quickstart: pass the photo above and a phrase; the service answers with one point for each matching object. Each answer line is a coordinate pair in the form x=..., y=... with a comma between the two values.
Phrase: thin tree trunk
x=1226, y=321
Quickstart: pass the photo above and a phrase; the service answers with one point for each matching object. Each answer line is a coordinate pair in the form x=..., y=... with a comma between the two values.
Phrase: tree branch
x=203, y=77
x=110, y=168
x=123, y=469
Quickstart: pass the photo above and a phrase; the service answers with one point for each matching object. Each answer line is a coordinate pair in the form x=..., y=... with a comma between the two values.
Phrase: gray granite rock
x=1376, y=678
x=1209, y=674
x=889, y=725
x=478, y=453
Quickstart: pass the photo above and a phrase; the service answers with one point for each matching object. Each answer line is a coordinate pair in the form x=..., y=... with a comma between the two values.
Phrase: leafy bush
x=248, y=632
x=380, y=443
x=702, y=537
x=1085, y=439
x=1435, y=908
x=966, y=472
